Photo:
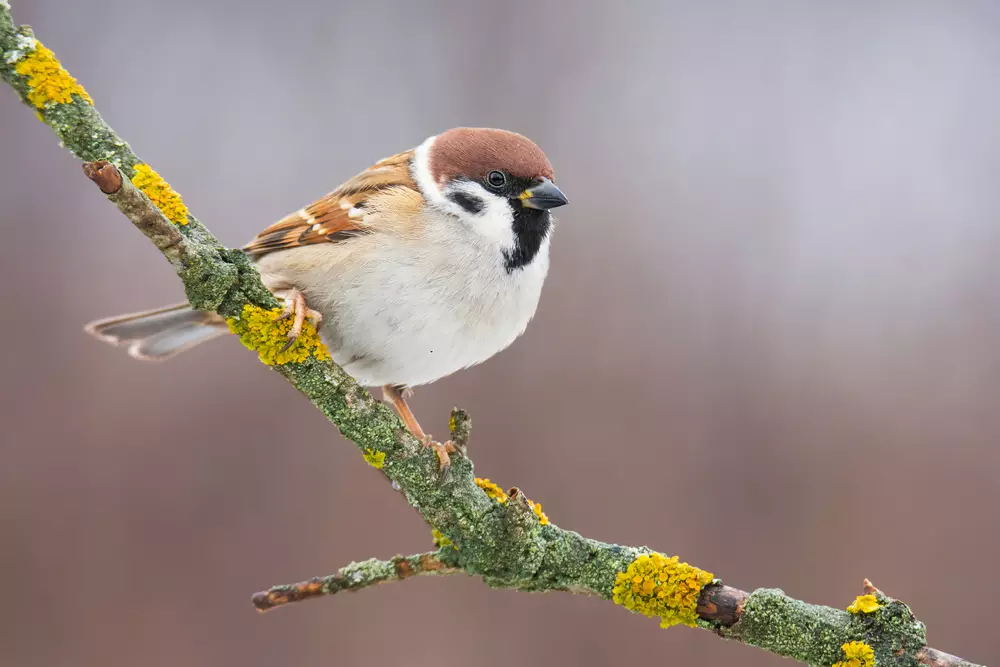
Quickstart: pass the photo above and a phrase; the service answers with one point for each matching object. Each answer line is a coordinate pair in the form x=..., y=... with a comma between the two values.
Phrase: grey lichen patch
x=500, y=561
x=517, y=550
x=22, y=46
x=14, y=46
x=358, y=416
x=579, y=564
x=207, y=280
x=373, y=569
x=602, y=564
x=808, y=633
x=246, y=286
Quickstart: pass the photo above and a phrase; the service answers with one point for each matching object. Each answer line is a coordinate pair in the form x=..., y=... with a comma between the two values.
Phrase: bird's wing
x=342, y=213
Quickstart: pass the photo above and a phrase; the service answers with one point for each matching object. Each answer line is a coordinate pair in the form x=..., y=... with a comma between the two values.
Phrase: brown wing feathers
x=322, y=221
x=338, y=215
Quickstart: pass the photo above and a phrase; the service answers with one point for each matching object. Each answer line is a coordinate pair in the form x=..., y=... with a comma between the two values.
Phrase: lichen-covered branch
x=480, y=529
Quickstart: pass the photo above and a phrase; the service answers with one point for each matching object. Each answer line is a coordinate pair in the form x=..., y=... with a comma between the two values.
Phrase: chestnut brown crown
x=473, y=152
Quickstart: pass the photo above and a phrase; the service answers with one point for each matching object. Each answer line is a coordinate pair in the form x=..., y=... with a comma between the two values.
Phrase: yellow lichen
x=496, y=493
x=48, y=82
x=441, y=541
x=261, y=330
x=374, y=459
x=656, y=585
x=451, y=424
x=537, y=509
x=492, y=490
x=856, y=654
x=864, y=604
x=161, y=194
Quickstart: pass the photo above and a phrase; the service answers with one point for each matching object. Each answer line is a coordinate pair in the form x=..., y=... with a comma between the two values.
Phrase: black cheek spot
x=473, y=205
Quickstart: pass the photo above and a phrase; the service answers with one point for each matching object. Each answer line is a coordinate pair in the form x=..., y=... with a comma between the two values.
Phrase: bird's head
x=498, y=183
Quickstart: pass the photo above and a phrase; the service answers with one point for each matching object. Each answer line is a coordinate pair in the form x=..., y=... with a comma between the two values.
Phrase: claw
x=295, y=305
x=288, y=311
x=442, y=450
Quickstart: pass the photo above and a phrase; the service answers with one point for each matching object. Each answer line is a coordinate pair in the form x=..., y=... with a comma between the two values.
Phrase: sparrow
x=428, y=262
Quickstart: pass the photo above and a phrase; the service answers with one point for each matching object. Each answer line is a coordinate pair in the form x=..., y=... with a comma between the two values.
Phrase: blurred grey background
x=769, y=342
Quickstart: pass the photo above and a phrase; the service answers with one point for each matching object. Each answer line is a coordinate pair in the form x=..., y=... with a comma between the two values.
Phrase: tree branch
x=501, y=537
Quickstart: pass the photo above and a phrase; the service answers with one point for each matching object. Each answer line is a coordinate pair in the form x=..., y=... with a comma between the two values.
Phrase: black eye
x=496, y=179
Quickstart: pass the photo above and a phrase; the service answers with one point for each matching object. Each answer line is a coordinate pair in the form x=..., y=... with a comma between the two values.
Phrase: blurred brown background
x=779, y=272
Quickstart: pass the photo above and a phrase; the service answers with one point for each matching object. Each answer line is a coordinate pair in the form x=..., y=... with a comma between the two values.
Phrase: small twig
x=138, y=208
x=460, y=427
x=105, y=174
x=356, y=576
x=721, y=604
x=935, y=658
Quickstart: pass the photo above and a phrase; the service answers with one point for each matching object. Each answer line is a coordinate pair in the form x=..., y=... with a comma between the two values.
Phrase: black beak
x=543, y=195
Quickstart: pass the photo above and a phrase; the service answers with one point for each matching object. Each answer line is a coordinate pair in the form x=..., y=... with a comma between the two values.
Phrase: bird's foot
x=396, y=396
x=296, y=307
x=443, y=450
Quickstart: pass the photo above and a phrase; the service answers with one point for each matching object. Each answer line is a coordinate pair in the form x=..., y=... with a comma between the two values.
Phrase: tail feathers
x=159, y=334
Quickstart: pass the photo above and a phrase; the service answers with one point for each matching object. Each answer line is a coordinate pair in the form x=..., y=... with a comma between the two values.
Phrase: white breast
x=396, y=312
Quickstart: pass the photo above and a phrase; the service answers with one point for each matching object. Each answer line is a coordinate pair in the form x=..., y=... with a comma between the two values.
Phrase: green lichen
x=814, y=635
x=579, y=564
x=208, y=281
x=788, y=627
x=892, y=631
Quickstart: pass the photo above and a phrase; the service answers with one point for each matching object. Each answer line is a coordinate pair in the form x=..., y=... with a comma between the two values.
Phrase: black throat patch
x=531, y=226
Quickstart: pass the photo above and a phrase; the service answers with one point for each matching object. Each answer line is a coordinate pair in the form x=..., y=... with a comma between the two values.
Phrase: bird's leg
x=295, y=306
x=397, y=396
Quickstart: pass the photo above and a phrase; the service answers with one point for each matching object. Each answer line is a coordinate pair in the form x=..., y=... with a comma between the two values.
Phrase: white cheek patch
x=494, y=222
